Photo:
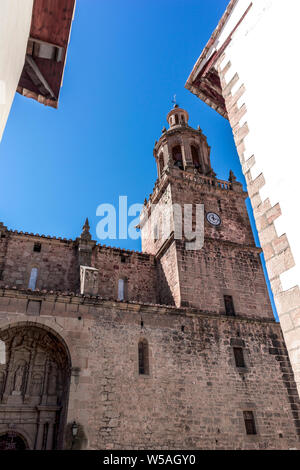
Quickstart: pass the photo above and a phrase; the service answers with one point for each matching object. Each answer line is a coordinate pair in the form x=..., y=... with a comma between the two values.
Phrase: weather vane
x=174, y=101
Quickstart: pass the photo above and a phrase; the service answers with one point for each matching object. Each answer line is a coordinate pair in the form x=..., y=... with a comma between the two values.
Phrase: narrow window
x=161, y=164
x=239, y=357
x=229, y=307
x=123, y=259
x=1, y=275
x=156, y=232
x=176, y=119
x=122, y=289
x=249, y=422
x=37, y=247
x=143, y=358
x=33, y=278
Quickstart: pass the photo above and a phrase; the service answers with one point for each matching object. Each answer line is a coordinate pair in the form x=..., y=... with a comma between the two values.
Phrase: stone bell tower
x=182, y=146
x=223, y=273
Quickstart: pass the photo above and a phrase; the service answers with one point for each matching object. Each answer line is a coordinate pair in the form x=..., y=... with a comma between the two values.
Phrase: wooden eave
x=204, y=79
x=42, y=75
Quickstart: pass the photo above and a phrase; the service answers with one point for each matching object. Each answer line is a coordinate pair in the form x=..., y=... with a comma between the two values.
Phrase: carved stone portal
x=34, y=387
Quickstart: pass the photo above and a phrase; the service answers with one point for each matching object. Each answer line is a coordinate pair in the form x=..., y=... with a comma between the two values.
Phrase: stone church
x=168, y=348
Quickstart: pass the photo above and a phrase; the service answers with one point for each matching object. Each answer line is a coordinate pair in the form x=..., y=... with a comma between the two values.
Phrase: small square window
x=249, y=422
x=37, y=247
x=239, y=357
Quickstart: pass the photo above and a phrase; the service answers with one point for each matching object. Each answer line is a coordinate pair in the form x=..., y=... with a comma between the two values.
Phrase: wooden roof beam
x=37, y=78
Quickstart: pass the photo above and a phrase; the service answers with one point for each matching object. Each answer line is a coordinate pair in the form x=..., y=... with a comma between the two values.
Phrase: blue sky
x=126, y=60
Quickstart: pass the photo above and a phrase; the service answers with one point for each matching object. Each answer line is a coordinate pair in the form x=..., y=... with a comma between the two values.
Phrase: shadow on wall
x=165, y=296
x=75, y=440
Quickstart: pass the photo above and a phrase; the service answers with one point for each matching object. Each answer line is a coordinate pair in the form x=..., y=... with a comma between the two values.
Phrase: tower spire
x=85, y=234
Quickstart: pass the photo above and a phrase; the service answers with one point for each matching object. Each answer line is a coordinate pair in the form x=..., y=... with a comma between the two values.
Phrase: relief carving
x=36, y=385
x=88, y=280
x=52, y=379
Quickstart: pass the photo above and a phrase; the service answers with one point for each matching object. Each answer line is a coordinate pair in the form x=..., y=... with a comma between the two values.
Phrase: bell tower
x=223, y=274
x=181, y=146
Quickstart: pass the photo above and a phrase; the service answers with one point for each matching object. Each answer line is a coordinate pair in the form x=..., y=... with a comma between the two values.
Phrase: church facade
x=168, y=348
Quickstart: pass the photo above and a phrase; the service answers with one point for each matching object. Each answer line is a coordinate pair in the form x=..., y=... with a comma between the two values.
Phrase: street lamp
x=74, y=429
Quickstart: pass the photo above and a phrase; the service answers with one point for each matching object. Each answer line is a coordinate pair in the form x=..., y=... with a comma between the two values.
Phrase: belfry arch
x=34, y=387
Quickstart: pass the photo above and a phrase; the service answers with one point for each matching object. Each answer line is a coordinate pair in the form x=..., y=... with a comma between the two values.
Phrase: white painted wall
x=264, y=54
x=15, y=21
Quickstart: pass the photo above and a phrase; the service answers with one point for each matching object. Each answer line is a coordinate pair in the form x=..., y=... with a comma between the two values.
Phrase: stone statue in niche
x=19, y=379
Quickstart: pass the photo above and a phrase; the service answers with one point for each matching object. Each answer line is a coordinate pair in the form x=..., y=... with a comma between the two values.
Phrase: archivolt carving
x=36, y=374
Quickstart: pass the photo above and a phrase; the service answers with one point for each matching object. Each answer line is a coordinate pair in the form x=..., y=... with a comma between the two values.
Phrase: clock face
x=213, y=219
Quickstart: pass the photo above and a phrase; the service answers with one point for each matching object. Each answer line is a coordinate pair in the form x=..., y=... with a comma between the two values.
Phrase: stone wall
x=56, y=262
x=194, y=395
x=229, y=262
x=58, y=266
x=138, y=269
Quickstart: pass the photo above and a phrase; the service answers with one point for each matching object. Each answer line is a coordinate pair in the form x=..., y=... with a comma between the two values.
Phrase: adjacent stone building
x=175, y=347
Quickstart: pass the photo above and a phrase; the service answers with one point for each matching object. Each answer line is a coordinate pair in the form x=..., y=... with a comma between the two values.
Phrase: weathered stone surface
x=194, y=396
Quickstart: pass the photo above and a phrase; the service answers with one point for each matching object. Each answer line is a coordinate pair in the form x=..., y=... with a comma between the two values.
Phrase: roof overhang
x=42, y=75
x=204, y=80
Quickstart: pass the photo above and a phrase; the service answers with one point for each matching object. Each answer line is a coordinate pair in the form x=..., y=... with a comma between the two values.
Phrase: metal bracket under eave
x=44, y=50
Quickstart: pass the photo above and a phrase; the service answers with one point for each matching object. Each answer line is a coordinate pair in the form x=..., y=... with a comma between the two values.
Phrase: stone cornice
x=133, y=307
x=206, y=183
x=180, y=129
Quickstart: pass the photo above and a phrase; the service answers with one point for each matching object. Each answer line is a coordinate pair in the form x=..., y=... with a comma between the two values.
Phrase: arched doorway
x=34, y=386
x=12, y=441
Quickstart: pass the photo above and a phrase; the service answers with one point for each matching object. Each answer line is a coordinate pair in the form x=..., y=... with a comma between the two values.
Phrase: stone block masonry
x=194, y=396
